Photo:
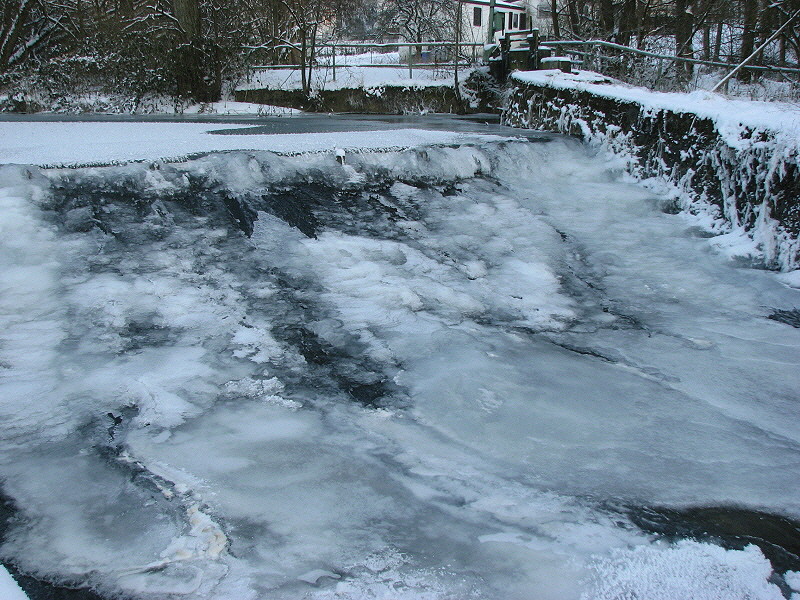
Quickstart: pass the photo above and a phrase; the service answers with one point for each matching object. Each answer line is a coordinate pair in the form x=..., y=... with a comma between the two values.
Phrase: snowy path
x=445, y=373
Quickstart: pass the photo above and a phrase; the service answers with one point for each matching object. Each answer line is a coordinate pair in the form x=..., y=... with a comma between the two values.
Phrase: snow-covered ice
x=447, y=372
x=9, y=590
x=103, y=143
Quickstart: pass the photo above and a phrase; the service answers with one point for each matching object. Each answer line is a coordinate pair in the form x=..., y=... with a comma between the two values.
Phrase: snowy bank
x=734, y=163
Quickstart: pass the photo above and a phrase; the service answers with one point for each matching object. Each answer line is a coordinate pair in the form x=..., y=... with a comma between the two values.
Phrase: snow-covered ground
x=451, y=372
x=350, y=74
x=730, y=115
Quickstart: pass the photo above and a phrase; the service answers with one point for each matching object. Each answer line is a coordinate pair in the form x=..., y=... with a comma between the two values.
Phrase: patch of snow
x=313, y=576
x=9, y=589
x=792, y=579
x=790, y=278
x=687, y=569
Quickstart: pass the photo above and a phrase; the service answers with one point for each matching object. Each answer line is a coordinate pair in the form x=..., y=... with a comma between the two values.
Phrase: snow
x=792, y=278
x=670, y=572
x=9, y=589
x=731, y=116
x=88, y=143
x=793, y=580
x=440, y=387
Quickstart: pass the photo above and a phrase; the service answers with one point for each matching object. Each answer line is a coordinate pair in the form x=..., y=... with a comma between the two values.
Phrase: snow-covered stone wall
x=735, y=162
x=385, y=99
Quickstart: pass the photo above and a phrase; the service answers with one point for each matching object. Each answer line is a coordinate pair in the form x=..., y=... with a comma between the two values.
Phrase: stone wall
x=375, y=100
x=751, y=186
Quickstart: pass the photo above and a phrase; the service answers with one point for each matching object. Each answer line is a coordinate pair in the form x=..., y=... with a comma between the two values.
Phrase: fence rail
x=534, y=49
x=682, y=59
x=431, y=65
x=410, y=65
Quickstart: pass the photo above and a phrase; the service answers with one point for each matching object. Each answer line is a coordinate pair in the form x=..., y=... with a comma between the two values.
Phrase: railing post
x=505, y=48
x=410, y=64
x=333, y=60
x=533, y=50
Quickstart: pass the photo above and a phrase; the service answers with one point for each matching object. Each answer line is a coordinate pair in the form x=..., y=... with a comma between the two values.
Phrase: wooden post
x=505, y=48
x=459, y=18
x=533, y=50
x=491, y=22
x=333, y=60
x=410, y=64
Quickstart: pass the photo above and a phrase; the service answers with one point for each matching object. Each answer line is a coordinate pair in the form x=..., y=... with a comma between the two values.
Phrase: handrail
x=397, y=44
x=369, y=45
x=683, y=59
x=441, y=65
x=523, y=32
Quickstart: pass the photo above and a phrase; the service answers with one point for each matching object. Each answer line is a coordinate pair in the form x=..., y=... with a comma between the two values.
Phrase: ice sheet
x=104, y=143
x=9, y=590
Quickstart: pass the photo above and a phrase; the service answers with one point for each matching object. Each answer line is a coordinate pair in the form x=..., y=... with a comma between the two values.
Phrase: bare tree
x=25, y=25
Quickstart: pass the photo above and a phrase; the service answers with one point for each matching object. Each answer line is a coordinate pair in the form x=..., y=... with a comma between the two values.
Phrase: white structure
x=510, y=15
x=515, y=15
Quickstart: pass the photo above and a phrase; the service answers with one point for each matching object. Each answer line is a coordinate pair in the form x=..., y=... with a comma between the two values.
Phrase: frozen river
x=477, y=370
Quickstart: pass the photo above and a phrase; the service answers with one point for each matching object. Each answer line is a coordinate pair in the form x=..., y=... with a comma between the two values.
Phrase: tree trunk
x=303, y=50
x=607, y=18
x=642, y=17
x=683, y=28
x=554, y=16
x=627, y=22
x=456, y=86
x=718, y=42
x=767, y=25
x=189, y=68
x=12, y=28
x=574, y=18
x=312, y=55
x=683, y=32
x=749, y=20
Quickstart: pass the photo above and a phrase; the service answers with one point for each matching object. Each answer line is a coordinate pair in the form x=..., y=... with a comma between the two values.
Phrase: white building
x=510, y=15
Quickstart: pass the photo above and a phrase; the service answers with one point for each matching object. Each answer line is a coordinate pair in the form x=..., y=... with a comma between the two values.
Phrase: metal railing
x=433, y=63
x=680, y=59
